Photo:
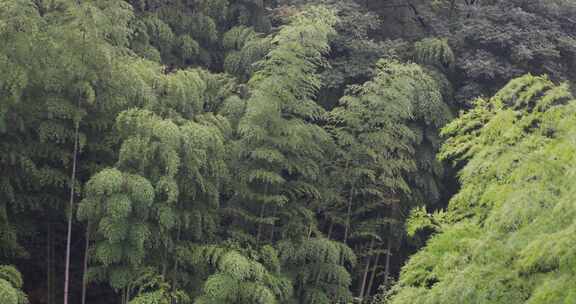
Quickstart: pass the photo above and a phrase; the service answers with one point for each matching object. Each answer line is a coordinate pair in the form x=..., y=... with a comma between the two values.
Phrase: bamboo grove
x=255, y=151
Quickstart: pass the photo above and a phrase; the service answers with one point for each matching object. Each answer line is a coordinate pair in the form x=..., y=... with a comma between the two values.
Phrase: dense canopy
x=287, y=151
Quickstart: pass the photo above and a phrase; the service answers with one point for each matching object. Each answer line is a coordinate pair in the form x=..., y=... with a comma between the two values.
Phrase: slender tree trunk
x=259, y=232
x=373, y=274
x=364, y=279
x=387, y=264
x=346, y=167
x=85, y=266
x=53, y=267
x=348, y=215
x=165, y=261
x=347, y=226
x=330, y=229
x=71, y=210
x=72, y=186
x=273, y=228
x=366, y=270
x=126, y=298
x=389, y=248
x=49, y=264
x=175, y=274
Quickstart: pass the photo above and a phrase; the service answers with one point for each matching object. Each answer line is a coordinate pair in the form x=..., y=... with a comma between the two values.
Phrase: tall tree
x=178, y=155
x=11, y=285
x=64, y=54
x=380, y=129
x=279, y=142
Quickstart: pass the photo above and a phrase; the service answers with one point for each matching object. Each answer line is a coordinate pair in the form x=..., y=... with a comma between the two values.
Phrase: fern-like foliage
x=317, y=269
x=183, y=33
x=430, y=113
x=11, y=286
x=61, y=60
x=180, y=164
x=278, y=143
x=421, y=220
x=237, y=277
x=246, y=48
x=435, y=52
x=507, y=231
x=385, y=133
x=119, y=203
x=152, y=288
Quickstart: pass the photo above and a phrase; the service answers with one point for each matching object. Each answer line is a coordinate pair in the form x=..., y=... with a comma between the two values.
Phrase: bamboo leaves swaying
x=378, y=128
x=179, y=163
x=286, y=151
x=504, y=202
x=10, y=286
x=277, y=144
x=238, y=278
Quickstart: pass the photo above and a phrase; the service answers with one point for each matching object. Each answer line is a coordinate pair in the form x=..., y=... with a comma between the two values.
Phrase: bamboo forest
x=287, y=152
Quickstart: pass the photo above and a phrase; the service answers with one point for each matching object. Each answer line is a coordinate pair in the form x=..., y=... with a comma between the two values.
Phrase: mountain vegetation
x=287, y=151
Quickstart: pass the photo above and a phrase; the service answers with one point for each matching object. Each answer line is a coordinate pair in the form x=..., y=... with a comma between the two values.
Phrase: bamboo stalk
x=366, y=270
x=85, y=266
x=71, y=211
x=373, y=274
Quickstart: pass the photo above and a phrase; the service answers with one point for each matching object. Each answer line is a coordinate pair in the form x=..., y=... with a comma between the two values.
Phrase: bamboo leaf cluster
x=286, y=151
x=508, y=226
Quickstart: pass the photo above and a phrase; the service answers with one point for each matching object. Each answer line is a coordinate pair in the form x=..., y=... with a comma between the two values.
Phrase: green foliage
x=421, y=220
x=246, y=48
x=429, y=112
x=176, y=171
x=382, y=115
x=375, y=150
x=317, y=271
x=185, y=33
x=435, y=52
x=250, y=151
x=512, y=219
x=11, y=285
x=153, y=289
x=238, y=278
x=383, y=131
x=278, y=146
x=72, y=60
x=353, y=52
x=120, y=204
